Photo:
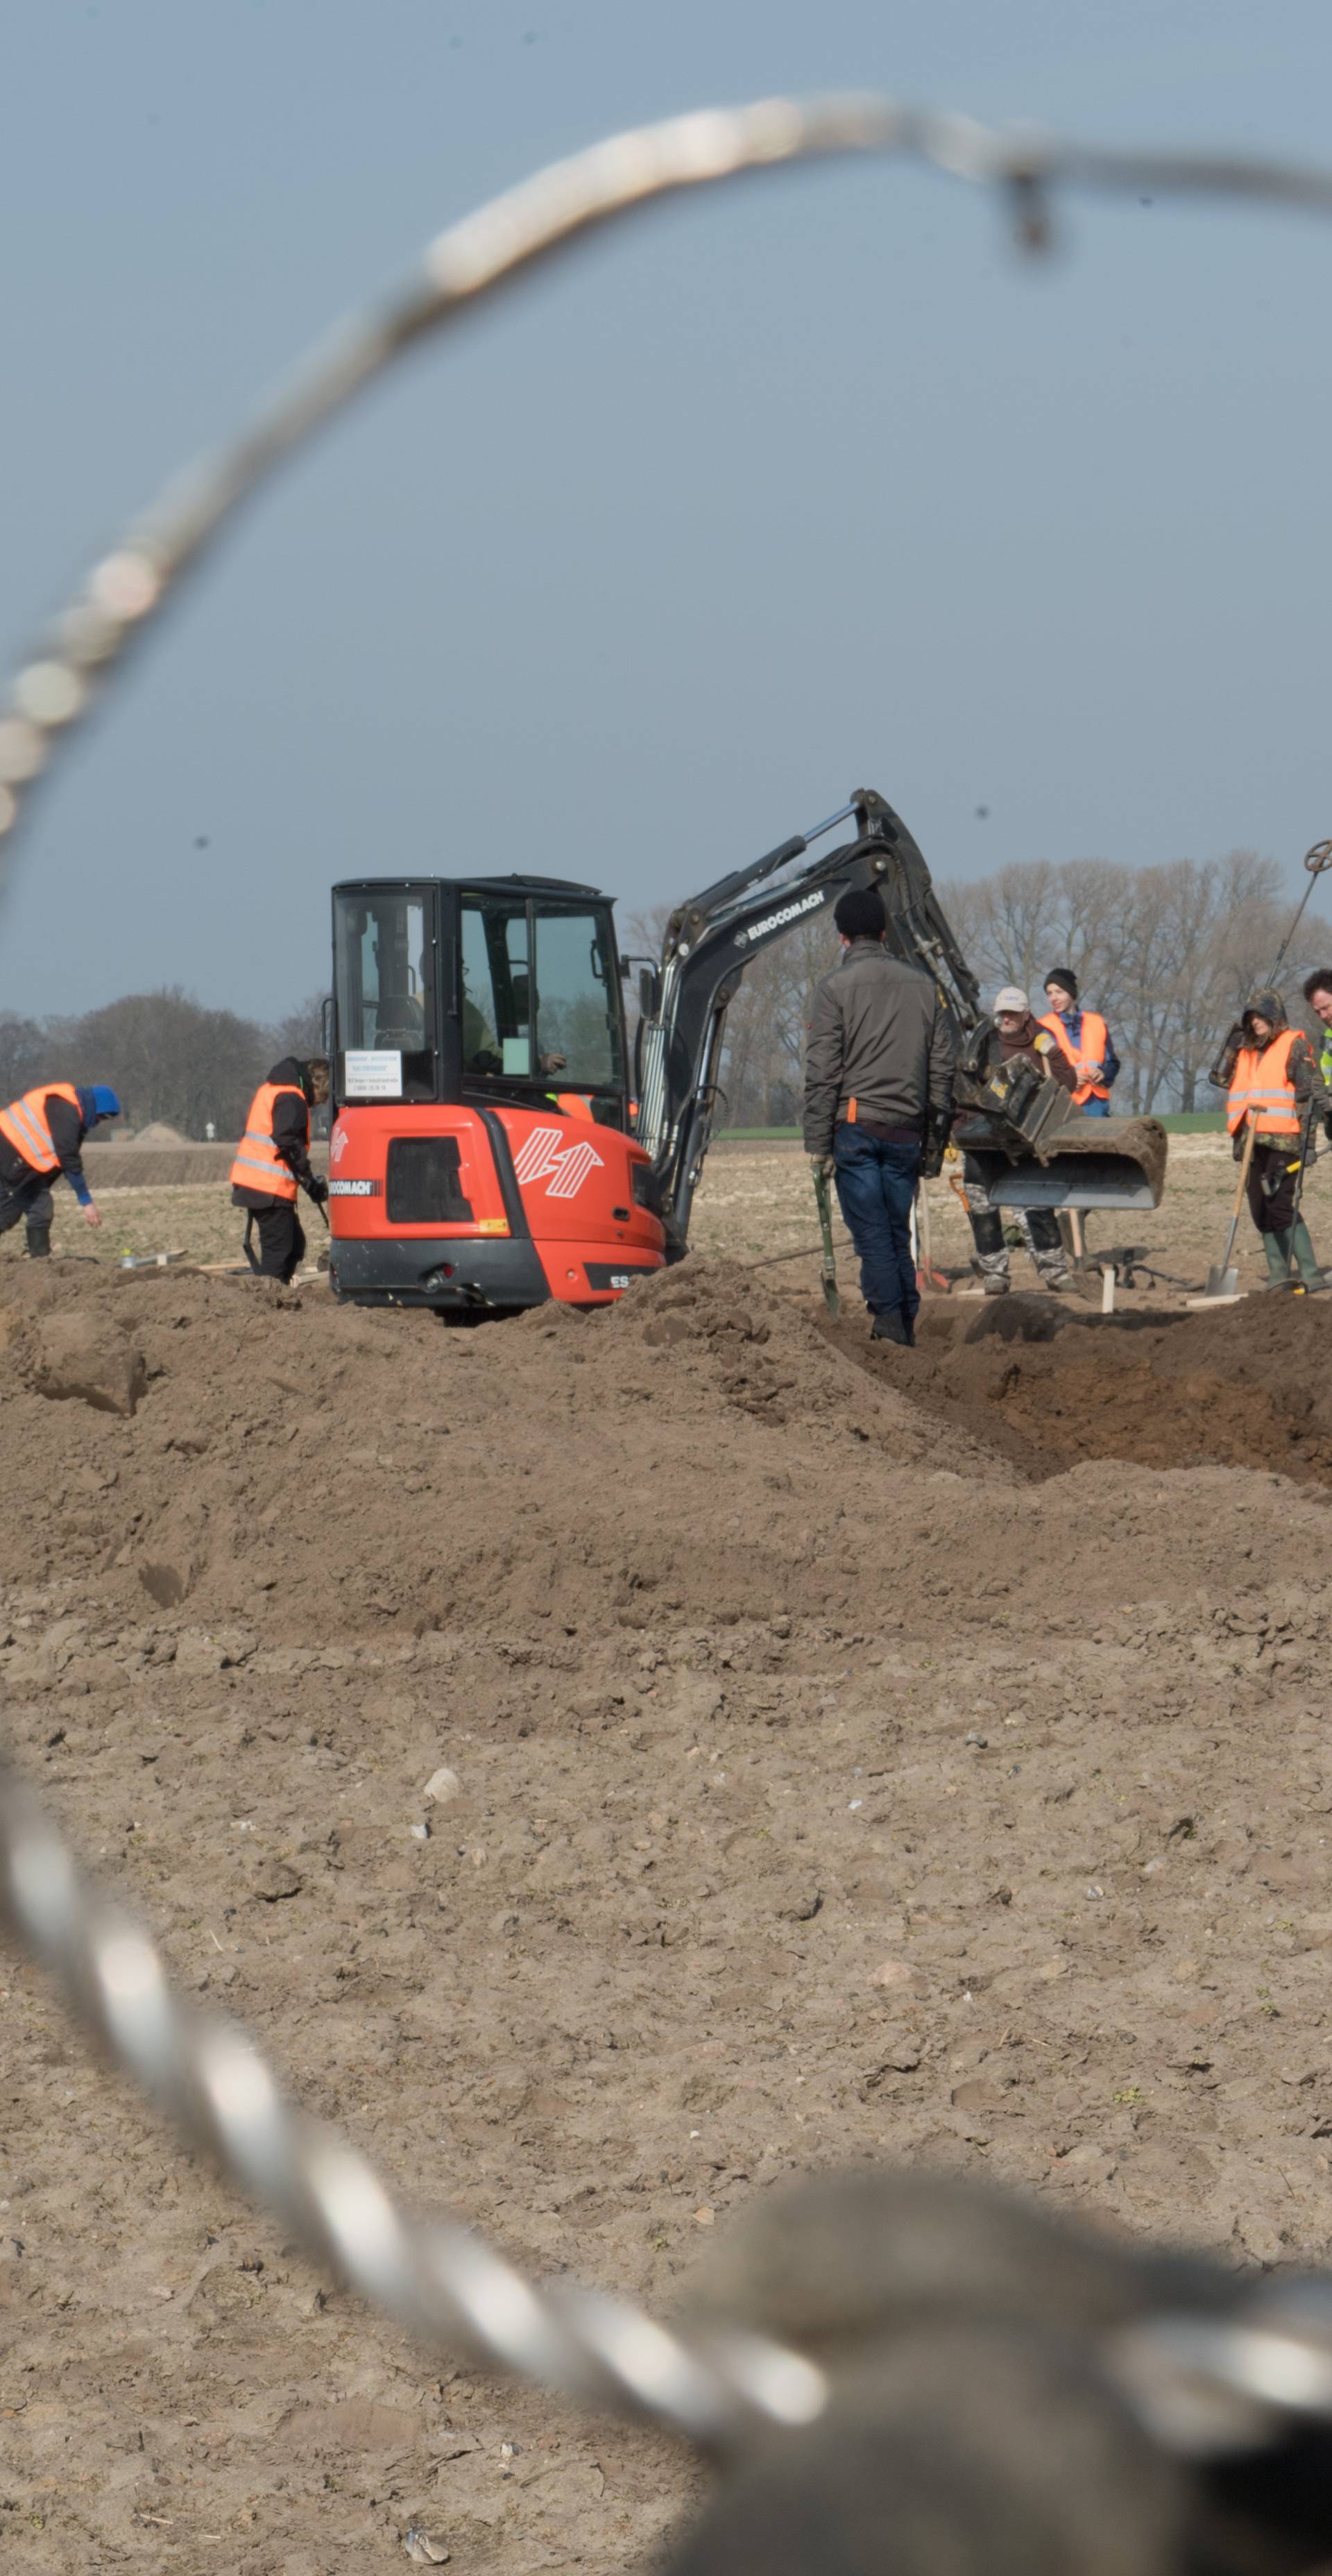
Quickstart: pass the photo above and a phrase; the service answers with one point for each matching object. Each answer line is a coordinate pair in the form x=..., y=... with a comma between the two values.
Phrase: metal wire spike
x=433, y=2277
x=56, y=687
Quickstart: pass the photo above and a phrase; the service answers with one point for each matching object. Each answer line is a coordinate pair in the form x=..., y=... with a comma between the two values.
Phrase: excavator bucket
x=1085, y=1163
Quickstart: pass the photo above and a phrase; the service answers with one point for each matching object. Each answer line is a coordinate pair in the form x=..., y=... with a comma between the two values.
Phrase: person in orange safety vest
x=1086, y=1041
x=1274, y=1084
x=273, y=1162
x=41, y=1136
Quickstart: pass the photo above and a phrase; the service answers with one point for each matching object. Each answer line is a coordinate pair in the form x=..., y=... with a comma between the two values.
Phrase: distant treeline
x=168, y=1057
x=1169, y=954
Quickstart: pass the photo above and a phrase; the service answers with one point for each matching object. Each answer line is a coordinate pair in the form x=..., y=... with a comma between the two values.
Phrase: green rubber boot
x=1277, y=1249
x=1298, y=1238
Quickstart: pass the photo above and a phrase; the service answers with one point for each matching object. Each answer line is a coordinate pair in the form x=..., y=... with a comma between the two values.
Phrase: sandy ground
x=913, y=1757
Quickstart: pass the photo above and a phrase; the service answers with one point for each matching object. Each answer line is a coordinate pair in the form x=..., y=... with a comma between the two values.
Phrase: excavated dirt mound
x=840, y=1775
x=1050, y=1383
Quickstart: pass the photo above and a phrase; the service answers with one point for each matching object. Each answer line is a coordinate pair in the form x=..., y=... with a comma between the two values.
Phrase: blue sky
x=812, y=485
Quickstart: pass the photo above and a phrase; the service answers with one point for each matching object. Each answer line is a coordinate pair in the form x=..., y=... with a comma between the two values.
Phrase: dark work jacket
x=878, y=1037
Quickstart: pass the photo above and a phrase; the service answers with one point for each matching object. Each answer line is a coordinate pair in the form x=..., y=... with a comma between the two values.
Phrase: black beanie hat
x=1065, y=976
x=859, y=913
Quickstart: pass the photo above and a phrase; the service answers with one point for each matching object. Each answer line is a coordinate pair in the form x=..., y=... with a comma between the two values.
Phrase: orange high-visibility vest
x=24, y=1122
x=258, y=1164
x=1095, y=1040
x=575, y=1104
x=1261, y=1084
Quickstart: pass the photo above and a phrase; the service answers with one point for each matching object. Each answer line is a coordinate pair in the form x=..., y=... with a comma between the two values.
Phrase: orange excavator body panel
x=453, y=1205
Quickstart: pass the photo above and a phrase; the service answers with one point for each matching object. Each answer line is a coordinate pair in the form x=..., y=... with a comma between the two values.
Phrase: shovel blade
x=1221, y=1283
x=830, y=1297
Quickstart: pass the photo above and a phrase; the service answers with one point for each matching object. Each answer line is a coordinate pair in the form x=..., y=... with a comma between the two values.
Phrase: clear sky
x=808, y=486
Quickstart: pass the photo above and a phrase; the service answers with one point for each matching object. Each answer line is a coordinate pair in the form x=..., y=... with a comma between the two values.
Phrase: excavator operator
x=273, y=1162
x=878, y=1102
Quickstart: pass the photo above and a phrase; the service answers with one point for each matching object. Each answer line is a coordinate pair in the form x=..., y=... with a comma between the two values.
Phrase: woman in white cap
x=1020, y=1033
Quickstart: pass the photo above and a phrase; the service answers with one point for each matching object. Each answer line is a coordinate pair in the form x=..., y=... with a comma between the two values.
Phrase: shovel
x=1223, y=1278
x=829, y=1265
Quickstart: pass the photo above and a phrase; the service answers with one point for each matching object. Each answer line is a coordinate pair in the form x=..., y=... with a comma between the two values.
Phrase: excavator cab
x=480, y=1155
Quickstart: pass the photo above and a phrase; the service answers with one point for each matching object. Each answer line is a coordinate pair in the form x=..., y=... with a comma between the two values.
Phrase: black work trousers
x=30, y=1200
x=281, y=1238
x=1270, y=1189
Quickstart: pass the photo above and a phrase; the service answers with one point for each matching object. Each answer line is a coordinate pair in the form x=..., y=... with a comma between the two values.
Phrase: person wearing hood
x=1021, y=1034
x=1084, y=1038
x=1275, y=1085
x=273, y=1162
x=43, y=1134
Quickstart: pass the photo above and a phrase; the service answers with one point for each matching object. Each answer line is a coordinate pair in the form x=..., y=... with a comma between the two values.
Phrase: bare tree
x=25, y=1056
x=301, y=1033
x=170, y=1059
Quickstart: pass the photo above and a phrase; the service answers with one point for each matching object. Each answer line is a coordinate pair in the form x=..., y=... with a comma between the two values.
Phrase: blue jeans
x=1095, y=1108
x=876, y=1184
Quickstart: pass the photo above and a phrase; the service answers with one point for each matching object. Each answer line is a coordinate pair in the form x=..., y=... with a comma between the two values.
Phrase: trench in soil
x=1049, y=1384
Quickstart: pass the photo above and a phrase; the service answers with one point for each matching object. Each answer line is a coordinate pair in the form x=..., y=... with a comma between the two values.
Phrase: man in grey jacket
x=878, y=1097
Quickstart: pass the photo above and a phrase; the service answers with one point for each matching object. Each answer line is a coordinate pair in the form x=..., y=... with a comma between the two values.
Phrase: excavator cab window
x=385, y=945
x=540, y=996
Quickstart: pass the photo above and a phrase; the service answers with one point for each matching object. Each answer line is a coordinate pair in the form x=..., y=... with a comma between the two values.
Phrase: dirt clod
x=88, y=1356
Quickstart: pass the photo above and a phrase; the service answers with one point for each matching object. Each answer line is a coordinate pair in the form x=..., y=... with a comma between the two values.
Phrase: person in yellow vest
x=1086, y=1041
x=273, y=1162
x=42, y=1135
x=1274, y=1084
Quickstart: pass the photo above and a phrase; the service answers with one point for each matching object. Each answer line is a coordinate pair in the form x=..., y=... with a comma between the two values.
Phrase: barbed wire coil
x=56, y=686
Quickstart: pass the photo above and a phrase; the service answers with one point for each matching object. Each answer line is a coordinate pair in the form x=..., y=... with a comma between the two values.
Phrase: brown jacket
x=1040, y=1049
x=878, y=1036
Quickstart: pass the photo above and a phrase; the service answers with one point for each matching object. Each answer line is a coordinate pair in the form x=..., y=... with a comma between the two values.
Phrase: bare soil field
x=864, y=1756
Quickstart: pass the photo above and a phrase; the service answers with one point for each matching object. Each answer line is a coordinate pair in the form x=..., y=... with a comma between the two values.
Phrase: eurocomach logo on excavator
x=789, y=912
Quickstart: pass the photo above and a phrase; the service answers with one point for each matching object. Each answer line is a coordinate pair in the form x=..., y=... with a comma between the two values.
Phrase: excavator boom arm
x=711, y=939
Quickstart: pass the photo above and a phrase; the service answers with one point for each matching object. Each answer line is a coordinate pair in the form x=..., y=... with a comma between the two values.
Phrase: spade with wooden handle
x=1222, y=1278
x=829, y=1265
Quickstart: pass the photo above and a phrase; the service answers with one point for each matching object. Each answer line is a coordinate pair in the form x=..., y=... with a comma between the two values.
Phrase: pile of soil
x=835, y=1782
x=1050, y=1383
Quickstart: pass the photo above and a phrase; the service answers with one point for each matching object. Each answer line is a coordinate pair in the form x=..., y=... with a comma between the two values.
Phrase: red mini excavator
x=489, y=1150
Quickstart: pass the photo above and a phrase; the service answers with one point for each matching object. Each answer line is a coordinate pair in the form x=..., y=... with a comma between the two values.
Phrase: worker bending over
x=273, y=1162
x=1020, y=1034
x=1083, y=1037
x=43, y=1134
x=1274, y=1083
x=878, y=1102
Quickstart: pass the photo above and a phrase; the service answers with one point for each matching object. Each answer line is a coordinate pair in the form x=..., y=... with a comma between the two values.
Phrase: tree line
x=168, y=1057
x=1169, y=954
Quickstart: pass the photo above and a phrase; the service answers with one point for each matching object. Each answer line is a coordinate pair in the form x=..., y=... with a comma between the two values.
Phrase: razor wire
x=431, y=2276
x=556, y=207
x=434, y=2277
x=1204, y=2386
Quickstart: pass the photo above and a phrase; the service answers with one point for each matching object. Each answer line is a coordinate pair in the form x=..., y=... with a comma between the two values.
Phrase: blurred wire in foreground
x=1202, y=2385
x=556, y=207
x=431, y=2276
